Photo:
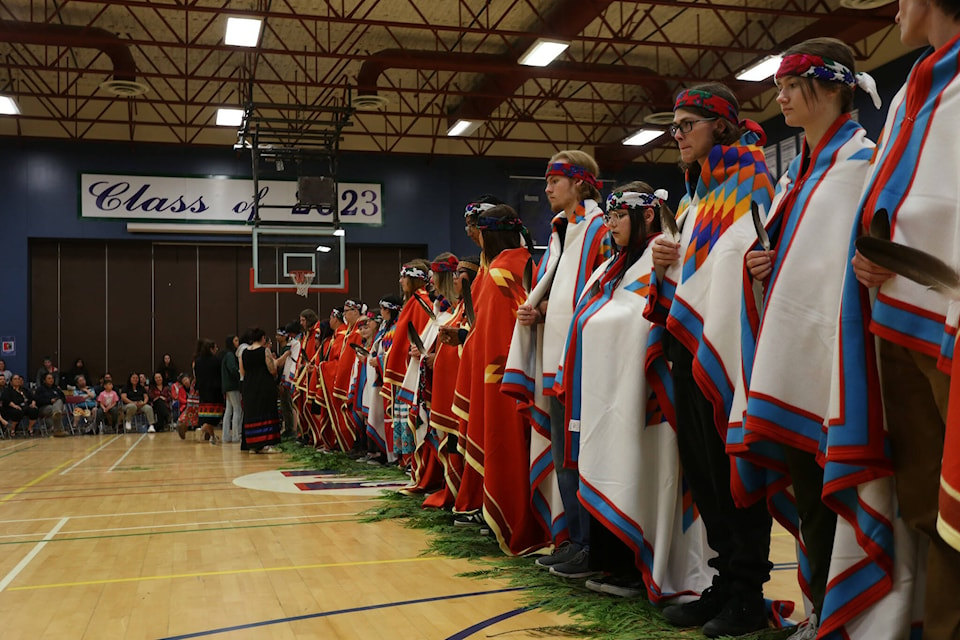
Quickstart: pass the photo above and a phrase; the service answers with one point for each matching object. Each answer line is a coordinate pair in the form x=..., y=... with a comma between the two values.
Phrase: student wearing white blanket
x=618, y=396
x=696, y=296
x=781, y=405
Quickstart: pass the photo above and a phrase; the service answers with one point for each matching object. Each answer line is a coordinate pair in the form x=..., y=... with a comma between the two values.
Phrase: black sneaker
x=699, y=612
x=622, y=586
x=576, y=567
x=741, y=615
x=563, y=553
x=474, y=519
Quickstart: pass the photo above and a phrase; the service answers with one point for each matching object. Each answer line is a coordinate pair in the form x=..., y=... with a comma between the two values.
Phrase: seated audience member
x=3, y=387
x=167, y=369
x=5, y=373
x=159, y=394
x=83, y=401
x=135, y=400
x=108, y=405
x=107, y=376
x=45, y=368
x=69, y=377
x=17, y=402
x=51, y=403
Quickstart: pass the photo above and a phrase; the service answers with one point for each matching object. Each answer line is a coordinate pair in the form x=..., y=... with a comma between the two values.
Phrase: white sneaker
x=806, y=630
x=128, y=426
x=150, y=429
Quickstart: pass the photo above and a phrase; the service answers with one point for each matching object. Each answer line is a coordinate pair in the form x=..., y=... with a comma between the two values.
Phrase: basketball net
x=303, y=280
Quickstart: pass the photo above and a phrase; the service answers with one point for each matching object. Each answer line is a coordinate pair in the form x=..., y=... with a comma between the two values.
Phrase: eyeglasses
x=686, y=126
x=613, y=219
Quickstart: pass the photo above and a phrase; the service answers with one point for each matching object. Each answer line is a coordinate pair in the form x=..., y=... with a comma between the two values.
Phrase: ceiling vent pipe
x=124, y=82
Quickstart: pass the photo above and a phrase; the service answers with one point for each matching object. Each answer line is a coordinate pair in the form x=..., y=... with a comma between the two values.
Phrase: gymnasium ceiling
x=427, y=62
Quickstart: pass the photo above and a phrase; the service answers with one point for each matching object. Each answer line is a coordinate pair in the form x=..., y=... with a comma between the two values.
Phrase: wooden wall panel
x=217, y=278
x=175, y=304
x=83, y=305
x=129, y=305
x=253, y=309
x=44, y=301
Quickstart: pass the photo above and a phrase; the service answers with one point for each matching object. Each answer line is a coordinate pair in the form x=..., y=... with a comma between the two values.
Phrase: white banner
x=153, y=199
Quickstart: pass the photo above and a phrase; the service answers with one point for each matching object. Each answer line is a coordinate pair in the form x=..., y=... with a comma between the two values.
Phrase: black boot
x=744, y=613
x=699, y=612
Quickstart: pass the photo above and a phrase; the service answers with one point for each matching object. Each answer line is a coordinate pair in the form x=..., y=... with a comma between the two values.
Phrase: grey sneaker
x=563, y=553
x=577, y=567
x=622, y=586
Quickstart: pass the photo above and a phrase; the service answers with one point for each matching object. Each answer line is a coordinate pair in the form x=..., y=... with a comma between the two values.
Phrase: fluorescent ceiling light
x=324, y=248
x=229, y=117
x=242, y=32
x=643, y=136
x=543, y=52
x=339, y=232
x=761, y=70
x=8, y=106
x=464, y=127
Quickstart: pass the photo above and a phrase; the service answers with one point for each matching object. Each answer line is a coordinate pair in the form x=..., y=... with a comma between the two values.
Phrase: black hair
x=228, y=343
x=949, y=7
x=638, y=227
x=496, y=242
x=471, y=274
x=293, y=328
x=255, y=334
x=205, y=347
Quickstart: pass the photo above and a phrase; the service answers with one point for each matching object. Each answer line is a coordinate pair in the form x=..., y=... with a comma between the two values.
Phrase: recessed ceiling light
x=463, y=128
x=227, y=117
x=8, y=106
x=543, y=52
x=760, y=70
x=643, y=137
x=243, y=32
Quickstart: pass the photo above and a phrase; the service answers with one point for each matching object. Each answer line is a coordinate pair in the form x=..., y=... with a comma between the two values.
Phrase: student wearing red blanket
x=498, y=438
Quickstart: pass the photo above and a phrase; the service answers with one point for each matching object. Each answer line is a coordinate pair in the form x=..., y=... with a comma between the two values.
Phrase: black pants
x=741, y=537
x=609, y=553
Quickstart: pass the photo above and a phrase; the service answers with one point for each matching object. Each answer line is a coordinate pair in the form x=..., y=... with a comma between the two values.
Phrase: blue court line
x=338, y=612
x=480, y=626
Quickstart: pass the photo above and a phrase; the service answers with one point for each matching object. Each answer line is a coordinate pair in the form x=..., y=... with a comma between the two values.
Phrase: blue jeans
x=232, y=417
x=578, y=519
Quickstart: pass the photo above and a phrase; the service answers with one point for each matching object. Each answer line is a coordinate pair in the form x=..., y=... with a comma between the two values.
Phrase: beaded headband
x=469, y=266
x=501, y=224
x=413, y=272
x=805, y=65
x=715, y=104
x=573, y=171
x=630, y=200
x=444, y=266
x=477, y=208
x=392, y=306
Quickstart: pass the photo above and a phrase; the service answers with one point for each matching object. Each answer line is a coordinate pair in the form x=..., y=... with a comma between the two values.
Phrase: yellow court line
x=20, y=490
x=228, y=573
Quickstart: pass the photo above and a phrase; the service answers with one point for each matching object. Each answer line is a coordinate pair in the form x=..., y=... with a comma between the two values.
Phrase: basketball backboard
x=280, y=252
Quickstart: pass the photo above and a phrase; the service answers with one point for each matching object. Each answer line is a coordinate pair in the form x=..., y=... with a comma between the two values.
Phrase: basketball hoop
x=303, y=280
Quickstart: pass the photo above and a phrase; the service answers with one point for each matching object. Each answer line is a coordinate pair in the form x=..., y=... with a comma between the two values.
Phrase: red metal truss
x=433, y=62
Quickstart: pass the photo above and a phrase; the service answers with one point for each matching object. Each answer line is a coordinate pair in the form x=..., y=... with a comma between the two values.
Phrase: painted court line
x=326, y=614
x=18, y=445
x=489, y=622
x=292, y=505
x=41, y=478
x=115, y=464
x=89, y=455
x=10, y=577
x=191, y=524
x=201, y=574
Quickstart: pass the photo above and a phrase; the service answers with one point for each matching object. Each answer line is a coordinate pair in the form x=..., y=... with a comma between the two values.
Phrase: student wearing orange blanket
x=497, y=437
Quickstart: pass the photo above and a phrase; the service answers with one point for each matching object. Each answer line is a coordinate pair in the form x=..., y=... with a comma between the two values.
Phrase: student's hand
x=449, y=335
x=527, y=315
x=428, y=361
x=760, y=264
x=869, y=274
x=414, y=352
x=665, y=252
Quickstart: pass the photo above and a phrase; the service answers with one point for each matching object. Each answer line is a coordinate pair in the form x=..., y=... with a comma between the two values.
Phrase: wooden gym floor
x=137, y=536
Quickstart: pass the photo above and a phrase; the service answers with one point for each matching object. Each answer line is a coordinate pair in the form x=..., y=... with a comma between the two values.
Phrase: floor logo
x=304, y=481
